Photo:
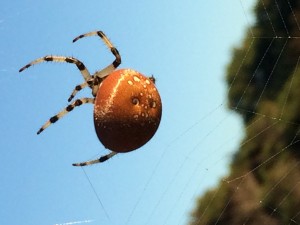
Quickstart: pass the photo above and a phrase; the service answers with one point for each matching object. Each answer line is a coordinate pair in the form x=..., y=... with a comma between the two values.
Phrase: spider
x=127, y=105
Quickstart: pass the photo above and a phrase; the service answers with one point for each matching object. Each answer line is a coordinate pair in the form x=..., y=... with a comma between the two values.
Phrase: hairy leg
x=100, y=160
x=52, y=58
x=68, y=109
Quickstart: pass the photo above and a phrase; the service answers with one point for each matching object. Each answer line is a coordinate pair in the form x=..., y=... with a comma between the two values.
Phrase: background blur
x=263, y=77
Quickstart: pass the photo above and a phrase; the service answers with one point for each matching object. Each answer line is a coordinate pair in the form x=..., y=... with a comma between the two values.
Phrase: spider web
x=261, y=185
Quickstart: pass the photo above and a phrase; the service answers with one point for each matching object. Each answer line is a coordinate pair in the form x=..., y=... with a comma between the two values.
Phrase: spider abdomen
x=127, y=110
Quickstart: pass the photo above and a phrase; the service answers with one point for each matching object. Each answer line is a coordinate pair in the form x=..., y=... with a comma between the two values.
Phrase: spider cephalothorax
x=127, y=105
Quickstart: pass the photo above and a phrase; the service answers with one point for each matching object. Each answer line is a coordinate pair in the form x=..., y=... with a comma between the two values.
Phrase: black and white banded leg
x=100, y=160
x=68, y=109
x=92, y=83
x=54, y=58
x=107, y=70
x=77, y=89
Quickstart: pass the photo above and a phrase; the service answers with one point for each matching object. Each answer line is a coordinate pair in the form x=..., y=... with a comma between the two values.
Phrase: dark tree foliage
x=263, y=81
x=263, y=64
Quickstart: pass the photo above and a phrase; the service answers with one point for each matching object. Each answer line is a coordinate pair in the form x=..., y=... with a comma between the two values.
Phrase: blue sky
x=184, y=44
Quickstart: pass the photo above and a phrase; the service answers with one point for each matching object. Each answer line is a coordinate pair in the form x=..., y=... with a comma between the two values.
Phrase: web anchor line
x=96, y=194
x=276, y=37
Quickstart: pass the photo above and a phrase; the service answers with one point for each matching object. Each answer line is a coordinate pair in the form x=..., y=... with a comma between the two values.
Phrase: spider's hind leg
x=68, y=109
x=100, y=160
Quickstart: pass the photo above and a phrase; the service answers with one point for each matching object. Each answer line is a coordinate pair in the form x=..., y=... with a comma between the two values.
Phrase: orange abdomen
x=127, y=110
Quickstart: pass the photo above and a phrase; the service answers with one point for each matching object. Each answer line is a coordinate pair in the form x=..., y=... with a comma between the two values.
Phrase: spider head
x=152, y=78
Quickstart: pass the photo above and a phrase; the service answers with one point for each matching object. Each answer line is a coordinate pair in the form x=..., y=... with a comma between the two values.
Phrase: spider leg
x=100, y=160
x=83, y=70
x=77, y=89
x=107, y=70
x=68, y=109
x=92, y=83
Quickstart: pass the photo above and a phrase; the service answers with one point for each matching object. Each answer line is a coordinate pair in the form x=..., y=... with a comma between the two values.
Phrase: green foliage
x=266, y=53
x=210, y=206
x=263, y=87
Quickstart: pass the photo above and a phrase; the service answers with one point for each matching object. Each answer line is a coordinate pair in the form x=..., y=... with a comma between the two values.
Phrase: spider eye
x=135, y=101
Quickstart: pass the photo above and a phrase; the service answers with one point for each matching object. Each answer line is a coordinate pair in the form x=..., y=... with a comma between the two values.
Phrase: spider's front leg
x=68, y=109
x=54, y=58
x=107, y=70
x=100, y=160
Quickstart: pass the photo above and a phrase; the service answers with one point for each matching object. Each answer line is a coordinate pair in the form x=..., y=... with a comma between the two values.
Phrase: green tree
x=263, y=81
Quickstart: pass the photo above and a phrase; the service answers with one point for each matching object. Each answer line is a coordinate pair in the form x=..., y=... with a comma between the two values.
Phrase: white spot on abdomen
x=135, y=78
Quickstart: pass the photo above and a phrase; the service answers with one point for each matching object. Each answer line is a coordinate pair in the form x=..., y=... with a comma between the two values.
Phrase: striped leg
x=68, y=109
x=114, y=51
x=77, y=89
x=100, y=160
x=83, y=70
x=92, y=83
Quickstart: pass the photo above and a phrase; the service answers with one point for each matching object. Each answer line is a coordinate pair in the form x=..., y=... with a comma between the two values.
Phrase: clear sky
x=184, y=44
